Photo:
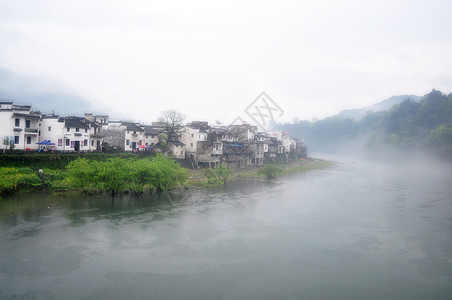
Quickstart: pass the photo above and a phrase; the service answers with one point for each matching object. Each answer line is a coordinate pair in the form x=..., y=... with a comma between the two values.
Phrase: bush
x=269, y=171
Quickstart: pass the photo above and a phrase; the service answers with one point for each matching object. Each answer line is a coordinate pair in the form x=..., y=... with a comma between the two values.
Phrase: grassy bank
x=199, y=178
x=116, y=174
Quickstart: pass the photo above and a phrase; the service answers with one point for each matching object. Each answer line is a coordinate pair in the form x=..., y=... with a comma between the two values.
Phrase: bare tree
x=114, y=138
x=171, y=121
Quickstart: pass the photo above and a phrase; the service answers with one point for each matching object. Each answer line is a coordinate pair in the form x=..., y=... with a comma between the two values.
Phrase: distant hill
x=413, y=126
x=42, y=94
x=357, y=114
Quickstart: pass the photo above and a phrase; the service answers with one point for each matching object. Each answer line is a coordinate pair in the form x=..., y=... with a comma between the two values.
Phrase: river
x=356, y=230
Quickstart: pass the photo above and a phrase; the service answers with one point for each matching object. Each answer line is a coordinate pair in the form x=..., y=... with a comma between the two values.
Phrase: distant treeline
x=408, y=127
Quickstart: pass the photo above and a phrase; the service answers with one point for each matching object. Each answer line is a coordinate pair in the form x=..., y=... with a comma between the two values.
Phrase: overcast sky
x=210, y=59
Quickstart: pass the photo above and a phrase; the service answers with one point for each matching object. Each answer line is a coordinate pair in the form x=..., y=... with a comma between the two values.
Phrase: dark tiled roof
x=151, y=130
x=28, y=116
x=132, y=127
x=76, y=122
x=177, y=143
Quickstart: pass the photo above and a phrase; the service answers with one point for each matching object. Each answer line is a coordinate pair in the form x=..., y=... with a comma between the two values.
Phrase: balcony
x=31, y=130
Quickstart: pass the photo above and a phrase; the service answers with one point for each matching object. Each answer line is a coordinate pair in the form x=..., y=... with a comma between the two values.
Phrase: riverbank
x=123, y=176
x=198, y=178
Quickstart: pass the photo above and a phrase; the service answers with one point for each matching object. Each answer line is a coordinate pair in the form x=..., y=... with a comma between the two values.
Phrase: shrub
x=269, y=171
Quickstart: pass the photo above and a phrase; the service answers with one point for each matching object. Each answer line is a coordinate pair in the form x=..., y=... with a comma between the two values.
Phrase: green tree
x=113, y=175
x=269, y=171
x=223, y=173
x=80, y=174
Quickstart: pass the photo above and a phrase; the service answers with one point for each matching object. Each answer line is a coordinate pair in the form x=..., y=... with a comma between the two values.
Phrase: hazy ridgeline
x=409, y=129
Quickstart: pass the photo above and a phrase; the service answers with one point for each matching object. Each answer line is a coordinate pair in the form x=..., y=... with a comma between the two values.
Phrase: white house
x=18, y=126
x=191, y=135
x=68, y=133
x=151, y=136
x=134, y=136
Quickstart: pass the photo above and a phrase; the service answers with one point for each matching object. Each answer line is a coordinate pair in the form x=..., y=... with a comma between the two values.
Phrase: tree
x=80, y=174
x=269, y=171
x=171, y=121
x=114, y=138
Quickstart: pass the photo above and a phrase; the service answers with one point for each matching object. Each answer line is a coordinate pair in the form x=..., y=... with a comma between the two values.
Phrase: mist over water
x=357, y=230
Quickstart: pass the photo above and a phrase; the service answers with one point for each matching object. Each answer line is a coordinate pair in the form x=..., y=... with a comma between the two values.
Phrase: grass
x=197, y=177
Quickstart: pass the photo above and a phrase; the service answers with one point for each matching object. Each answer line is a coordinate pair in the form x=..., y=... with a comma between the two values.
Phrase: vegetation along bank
x=118, y=173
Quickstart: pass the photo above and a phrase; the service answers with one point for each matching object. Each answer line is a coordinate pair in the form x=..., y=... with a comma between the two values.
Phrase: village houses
x=200, y=144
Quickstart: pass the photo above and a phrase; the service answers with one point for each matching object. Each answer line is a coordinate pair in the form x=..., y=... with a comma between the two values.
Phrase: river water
x=356, y=230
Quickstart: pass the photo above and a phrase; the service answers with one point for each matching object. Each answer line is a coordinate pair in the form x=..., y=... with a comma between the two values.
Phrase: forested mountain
x=357, y=114
x=408, y=127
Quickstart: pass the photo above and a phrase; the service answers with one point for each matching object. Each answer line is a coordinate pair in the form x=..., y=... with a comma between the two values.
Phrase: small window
x=85, y=142
x=39, y=133
x=191, y=144
x=28, y=140
x=16, y=140
x=192, y=135
x=182, y=152
x=49, y=128
x=134, y=132
x=77, y=129
x=127, y=142
x=86, y=130
x=68, y=141
x=17, y=122
x=68, y=129
x=92, y=143
x=27, y=123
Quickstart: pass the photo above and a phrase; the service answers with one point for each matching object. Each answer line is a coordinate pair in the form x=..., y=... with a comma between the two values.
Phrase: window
x=77, y=129
x=39, y=133
x=191, y=144
x=134, y=132
x=127, y=142
x=85, y=142
x=182, y=152
x=49, y=128
x=27, y=123
x=28, y=140
x=17, y=122
x=16, y=140
x=68, y=130
x=192, y=135
x=68, y=141
x=86, y=130
x=92, y=143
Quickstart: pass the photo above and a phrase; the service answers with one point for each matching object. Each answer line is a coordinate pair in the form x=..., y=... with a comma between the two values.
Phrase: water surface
x=353, y=231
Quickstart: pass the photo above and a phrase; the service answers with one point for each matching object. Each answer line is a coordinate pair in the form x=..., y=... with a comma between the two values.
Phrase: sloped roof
x=176, y=143
x=28, y=116
x=151, y=130
x=132, y=127
x=76, y=122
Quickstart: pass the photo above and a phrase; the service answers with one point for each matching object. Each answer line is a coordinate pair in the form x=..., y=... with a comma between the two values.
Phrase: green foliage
x=12, y=178
x=166, y=173
x=218, y=175
x=408, y=126
x=116, y=175
x=81, y=173
x=269, y=171
x=223, y=173
x=112, y=176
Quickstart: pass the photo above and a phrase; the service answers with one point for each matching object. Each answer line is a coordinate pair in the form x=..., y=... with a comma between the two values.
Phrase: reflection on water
x=355, y=230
